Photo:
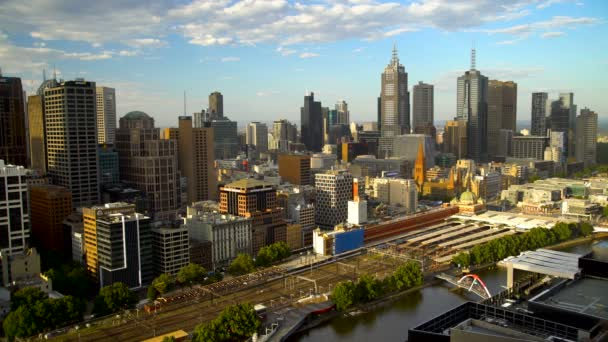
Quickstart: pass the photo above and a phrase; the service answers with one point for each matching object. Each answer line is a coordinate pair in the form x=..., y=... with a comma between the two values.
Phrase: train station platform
x=544, y=261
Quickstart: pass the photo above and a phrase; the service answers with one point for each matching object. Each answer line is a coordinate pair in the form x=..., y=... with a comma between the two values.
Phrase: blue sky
x=264, y=55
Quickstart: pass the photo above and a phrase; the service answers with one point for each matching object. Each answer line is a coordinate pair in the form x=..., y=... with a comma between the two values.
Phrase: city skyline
x=264, y=62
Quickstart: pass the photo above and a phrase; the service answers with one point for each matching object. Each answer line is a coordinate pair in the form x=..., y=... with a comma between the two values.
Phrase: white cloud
x=126, y=53
x=266, y=93
x=308, y=55
x=230, y=59
x=146, y=42
x=554, y=34
x=548, y=3
x=285, y=51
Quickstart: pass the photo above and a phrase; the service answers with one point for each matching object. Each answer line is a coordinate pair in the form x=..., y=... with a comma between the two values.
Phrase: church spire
x=419, y=168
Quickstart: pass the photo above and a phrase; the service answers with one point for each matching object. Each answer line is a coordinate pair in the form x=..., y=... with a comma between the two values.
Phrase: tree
x=343, y=295
x=367, y=289
x=28, y=297
x=585, y=228
x=152, y=293
x=562, y=231
x=605, y=213
x=21, y=323
x=163, y=283
x=70, y=279
x=242, y=264
x=463, y=259
x=191, y=274
x=236, y=323
x=113, y=298
x=272, y=253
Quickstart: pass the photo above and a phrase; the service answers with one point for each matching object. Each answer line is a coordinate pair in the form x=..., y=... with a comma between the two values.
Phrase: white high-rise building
x=257, y=134
x=14, y=215
x=106, y=115
x=334, y=190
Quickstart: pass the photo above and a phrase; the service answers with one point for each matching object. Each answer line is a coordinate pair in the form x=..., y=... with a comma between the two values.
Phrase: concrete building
x=216, y=105
x=311, y=121
x=50, y=205
x=284, y=133
x=334, y=190
x=295, y=168
x=109, y=170
x=195, y=161
x=13, y=146
x=586, y=137
x=145, y=158
x=71, y=139
x=529, y=147
x=257, y=135
x=14, y=213
x=502, y=112
x=106, y=115
x=541, y=108
x=229, y=234
x=170, y=250
x=423, y=108
x=37, y=143
x=455, y=138
x=396, y=191
x=118, y=245
x=394, y=105
x=20, y=267
x=304, y=215
x=323, y=161
x=472, y=107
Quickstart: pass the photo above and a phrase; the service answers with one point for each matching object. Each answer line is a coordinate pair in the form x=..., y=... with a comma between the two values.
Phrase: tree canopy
x=242, y=264
x=191, y=274
x=272, y=253
x=70, y=279
x=114, y=298
x=236, y=323
x=163, y=283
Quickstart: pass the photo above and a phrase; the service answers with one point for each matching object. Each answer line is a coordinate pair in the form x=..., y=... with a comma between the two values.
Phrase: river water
x=391, y=322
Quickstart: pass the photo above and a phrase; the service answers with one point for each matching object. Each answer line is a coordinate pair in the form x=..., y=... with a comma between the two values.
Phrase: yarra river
x=392, y=321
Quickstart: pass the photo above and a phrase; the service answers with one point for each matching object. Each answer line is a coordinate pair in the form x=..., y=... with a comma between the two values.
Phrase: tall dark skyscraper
x=562, y=111
x=472, y=107
x=12, y=122
x=394, y=105
x=311, y=118
x=540, y=109
x=423, y=107
x=502, y=112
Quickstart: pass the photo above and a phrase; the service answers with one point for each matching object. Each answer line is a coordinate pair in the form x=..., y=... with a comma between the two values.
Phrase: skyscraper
x=71, y=140
x=14, y=214
x=225, y=137
x=562, y=111
x=311, y=121
x=35, y=120
x=106, y=115
x=334, y=190
x=586, y=137
x=50, y=205
x=196, y=159
x=284, y=133
x=502, y=112
x=257, y=134
x=455, y=138
x=343, y=116
x=472, y=107
x=394, y=106
x=540, y=110
x=216, y=105
x=13, y=147
x=422, y=107
x=145, y=159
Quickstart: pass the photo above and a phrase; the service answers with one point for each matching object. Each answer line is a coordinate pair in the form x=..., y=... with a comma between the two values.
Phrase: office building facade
x=295, y=168
x=334, y=190
x=257, y=135
x=586, y=137
x=37, y=144
x=455, y=138
x=109, y=171
x=71, y=139
x=50, y=205
x=13, y=146
x=106, y=115
x=423, y=107
x=529, y=146
x=216, y=105
x=502, y=112
x=311, y=121
x=541, y=108
x=196, y=157
x=170, y=250
x=14, y=210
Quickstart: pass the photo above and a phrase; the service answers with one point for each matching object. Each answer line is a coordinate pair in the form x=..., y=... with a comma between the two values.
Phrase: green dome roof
x=467, y=197
x=135, y=115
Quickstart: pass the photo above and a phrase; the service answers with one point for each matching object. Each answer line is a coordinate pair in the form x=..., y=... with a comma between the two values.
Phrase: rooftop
x=587, y=296
x=136, y=115
x=248, y=183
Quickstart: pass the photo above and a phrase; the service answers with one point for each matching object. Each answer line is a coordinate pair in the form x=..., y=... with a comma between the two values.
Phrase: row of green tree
x=367, y=288
x=510, y=245
x=267, y=255
x=33, y=312
x=71, y=279
x=188, y=275
x=236, y=323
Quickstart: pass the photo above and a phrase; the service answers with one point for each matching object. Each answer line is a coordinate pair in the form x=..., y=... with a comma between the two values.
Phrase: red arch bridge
x=469, y=282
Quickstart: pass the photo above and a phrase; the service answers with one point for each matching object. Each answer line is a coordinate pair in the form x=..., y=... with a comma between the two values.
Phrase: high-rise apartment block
x=14, y=213
x=50, y=205
x=586, y=137
x=106, y=115
x=394, y=105
x=70, y=117
x=170, y=250
x=423, y=107
x=216, y=105
x=295, y=168
x=472, y=107
x=13, y=146
x=334, y=190
x=311, y=121
x=118, y=245
x=541, y=108
x=257, y=135
x=149, y=163
x=502, y=112
x=196, y=157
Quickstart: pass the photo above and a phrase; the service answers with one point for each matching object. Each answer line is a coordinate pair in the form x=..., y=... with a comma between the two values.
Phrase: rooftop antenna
x=473, y=56
x=54, y=73
x=395, y=59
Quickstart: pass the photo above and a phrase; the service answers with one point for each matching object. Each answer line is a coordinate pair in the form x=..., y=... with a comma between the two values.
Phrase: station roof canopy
x=546, y=261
